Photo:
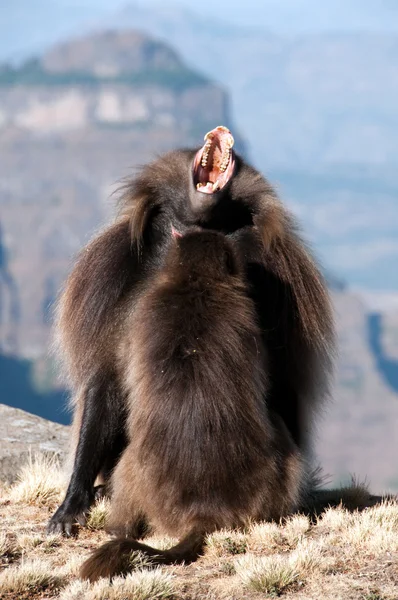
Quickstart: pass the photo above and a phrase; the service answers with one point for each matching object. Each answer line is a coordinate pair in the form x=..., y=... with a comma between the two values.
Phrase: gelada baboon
x=211, y=188
x=204, y=452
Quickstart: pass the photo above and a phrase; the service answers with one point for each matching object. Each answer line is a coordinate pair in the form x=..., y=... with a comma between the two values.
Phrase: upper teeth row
x=225, y=160
x=226, y=155
x=206, y=151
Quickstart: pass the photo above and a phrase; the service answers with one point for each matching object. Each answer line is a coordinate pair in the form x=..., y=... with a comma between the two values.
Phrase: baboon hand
x=74, y=509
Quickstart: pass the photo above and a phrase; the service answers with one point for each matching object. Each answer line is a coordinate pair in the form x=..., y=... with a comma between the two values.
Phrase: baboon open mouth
x=214, y=163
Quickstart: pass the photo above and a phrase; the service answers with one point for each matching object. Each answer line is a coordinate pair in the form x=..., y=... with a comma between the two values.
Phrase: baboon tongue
x=214, y=163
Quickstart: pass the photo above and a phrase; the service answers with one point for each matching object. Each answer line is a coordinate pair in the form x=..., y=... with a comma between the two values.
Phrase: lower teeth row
x=215, y=185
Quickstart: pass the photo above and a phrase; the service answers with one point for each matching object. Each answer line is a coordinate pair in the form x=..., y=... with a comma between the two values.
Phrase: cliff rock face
x=356, y=433
x=122, y=79
x=72, y=124
x=23, y=434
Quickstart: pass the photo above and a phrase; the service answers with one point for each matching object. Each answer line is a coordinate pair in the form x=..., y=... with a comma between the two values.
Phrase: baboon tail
x=352, y=497
x=115, y=557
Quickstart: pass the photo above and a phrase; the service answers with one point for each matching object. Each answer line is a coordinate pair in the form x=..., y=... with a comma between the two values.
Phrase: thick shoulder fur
x=293, y=304
x=105, y=268
x=282, y=251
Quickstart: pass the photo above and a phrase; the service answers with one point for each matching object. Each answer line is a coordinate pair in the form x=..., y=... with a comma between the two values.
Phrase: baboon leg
x=102, y=488
x=101, y=441
x=136, y=527
x=126, y=519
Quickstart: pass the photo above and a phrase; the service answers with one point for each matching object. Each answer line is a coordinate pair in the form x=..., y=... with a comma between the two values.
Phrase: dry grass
x=272, y=575
x=160, y=542
x=268, y=575
x=30, y=576
x=40, y=481
x=265, y=538
x=225, y=542
x=372, y=531
x=144, y=585
x=98, y=514
x=352, y=556
x=5, y=545
x=295, y=529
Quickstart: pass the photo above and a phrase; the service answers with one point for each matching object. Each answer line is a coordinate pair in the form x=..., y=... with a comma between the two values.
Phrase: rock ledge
x=22, y=433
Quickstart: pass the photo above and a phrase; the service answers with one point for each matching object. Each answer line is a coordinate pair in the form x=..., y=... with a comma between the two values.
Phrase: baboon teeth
x=212, y=186
x=206, y=151
x=226, y=153
x=225, y=160
x=216, y=185
x=214, y=161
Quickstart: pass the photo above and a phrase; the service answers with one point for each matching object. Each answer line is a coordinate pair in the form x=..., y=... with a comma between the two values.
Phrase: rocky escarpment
x=123, y=79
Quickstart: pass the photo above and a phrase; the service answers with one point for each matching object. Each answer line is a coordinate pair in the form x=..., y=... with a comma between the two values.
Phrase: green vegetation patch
x=32, y=73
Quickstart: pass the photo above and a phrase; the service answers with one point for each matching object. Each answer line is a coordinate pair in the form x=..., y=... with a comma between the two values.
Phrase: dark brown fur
x=110, y=265
x=204, y=453
x=288, y=291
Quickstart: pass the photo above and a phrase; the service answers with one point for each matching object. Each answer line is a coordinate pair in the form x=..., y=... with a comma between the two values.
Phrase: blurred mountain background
x=90, y=90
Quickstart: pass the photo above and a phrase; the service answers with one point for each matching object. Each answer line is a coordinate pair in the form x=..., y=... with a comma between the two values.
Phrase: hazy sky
x=288, y=14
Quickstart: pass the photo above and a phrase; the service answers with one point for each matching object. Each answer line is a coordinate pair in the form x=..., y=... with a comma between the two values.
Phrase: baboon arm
x=296, y=319
x=101, y=440
x=105, y=269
